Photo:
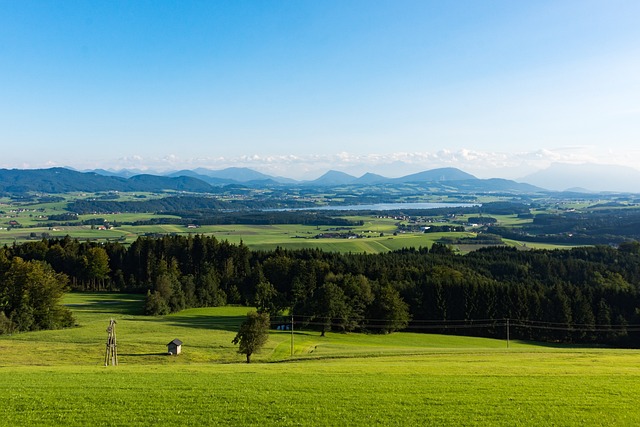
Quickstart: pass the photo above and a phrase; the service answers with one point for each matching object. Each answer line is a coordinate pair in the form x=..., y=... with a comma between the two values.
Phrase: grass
x=58, y=377
x=536, y=245
x=440, y=390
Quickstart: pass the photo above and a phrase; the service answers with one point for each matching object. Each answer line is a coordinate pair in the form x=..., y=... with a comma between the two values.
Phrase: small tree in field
x=253, y=334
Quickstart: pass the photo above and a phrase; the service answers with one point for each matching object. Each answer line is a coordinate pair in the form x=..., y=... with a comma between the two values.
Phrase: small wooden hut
x=174, y=347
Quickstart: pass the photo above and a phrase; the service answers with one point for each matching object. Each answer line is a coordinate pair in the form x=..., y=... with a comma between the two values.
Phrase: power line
x=444, y=325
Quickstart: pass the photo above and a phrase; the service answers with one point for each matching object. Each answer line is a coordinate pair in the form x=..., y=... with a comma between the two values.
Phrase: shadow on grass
x=226, y=323
x=560, y=346
x=142, y=354
x=110, y=303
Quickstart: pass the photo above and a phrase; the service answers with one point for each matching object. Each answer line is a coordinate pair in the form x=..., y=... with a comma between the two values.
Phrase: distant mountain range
x=61, y=180
x=586, y=178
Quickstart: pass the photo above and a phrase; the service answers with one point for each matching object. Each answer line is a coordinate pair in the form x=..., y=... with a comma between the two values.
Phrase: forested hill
x=579, y=295
x=186, y=206
x=62, y=180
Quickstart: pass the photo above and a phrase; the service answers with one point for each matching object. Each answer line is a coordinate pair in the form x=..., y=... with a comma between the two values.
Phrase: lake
x=393, y=206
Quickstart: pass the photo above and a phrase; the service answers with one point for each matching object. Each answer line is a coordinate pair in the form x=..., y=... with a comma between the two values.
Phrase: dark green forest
x=590, y=227
x=582, y=295
x=30, y=293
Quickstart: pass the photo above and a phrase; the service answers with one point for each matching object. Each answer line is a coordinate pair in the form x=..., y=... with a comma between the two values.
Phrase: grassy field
x=379, y=234
x=58, y=377
x=259, y=237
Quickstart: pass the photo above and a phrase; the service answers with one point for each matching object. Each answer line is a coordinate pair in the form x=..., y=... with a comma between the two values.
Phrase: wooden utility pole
x=291, y=335
x=111, y=355
x=507, y=333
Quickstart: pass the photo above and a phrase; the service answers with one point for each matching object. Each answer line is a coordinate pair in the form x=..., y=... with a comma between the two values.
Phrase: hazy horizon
x=496, y=89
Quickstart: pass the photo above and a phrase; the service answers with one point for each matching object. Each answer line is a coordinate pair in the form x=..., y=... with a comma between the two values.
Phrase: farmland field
x=58, y=377
x=22, y=221
x=258, y=237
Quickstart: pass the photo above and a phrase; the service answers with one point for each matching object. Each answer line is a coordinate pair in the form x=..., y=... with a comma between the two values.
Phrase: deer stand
x=111, y=355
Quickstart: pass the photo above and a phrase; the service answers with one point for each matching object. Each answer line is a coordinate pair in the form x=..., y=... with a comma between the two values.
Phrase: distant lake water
x=393, y=206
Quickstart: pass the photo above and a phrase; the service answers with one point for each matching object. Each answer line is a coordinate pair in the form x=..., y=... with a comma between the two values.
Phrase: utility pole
x=291, y=334
x=507, y=324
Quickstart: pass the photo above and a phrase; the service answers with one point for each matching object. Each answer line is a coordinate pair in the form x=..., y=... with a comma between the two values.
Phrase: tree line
x=180, y=204
x=208, y=217
x=594, y=227
x=588, y=294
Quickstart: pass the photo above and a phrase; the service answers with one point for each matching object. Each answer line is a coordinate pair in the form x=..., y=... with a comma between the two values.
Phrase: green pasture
x=511, y=220
x=31, y=214
x=125, y=217
x=28, y=213
x=378, y=236
x=59, y=378
x=207, y=332
x=535, y=245
x=442, y=389
x=299, y=237
x=80, y=232
x=378, y=233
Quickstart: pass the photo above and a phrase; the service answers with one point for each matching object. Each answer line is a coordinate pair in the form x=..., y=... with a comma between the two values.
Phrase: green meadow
x=59, y=377
x=378, y=235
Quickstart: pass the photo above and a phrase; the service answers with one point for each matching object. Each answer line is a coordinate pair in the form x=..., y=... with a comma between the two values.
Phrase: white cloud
x=483, y=164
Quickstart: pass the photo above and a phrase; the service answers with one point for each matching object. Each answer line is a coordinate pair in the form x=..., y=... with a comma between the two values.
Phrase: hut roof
x=176, y=342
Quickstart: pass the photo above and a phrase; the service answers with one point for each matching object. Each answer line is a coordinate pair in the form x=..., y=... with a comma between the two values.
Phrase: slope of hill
x=61, y=180
x=371, y=178
x=441, y=174
x=180, y=183
x=234, y=175
x=333, y=177
x=206, y=178
x=493, y=185
x=57, y=180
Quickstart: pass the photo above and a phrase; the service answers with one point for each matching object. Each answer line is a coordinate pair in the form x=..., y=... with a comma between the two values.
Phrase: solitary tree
x=253, y=334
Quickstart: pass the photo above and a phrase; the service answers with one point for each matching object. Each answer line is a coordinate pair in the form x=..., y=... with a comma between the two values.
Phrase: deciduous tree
x=253, y=334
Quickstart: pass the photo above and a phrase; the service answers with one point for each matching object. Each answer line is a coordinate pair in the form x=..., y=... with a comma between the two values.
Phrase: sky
x=295, y=88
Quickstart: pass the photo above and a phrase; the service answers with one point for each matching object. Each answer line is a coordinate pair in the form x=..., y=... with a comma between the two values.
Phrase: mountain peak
x=436, y=175
x=334, y=177
x=371, y=178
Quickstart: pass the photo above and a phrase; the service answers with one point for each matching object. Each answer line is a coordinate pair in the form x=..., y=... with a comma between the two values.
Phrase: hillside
x=59, y=377
x=436, y=175
x=62, y=180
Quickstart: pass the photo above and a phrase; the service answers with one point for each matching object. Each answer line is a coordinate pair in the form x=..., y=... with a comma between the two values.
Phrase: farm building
x=174, y=347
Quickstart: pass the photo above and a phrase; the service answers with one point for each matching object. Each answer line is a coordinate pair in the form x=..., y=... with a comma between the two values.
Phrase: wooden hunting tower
x=111, y=355
x=174, y=347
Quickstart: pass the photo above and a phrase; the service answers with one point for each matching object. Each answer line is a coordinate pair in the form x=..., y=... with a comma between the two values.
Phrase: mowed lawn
x=59, y=377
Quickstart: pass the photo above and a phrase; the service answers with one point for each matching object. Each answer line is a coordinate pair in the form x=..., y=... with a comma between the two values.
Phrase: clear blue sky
x=296, y=87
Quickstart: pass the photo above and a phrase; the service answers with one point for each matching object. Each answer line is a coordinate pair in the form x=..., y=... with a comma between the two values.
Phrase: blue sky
x=496, y=88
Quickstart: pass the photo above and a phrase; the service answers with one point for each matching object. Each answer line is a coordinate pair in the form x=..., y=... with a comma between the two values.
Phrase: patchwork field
x=377, y=234
x=258, y=237
x=59, y=377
